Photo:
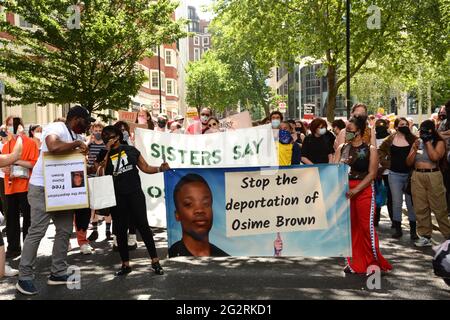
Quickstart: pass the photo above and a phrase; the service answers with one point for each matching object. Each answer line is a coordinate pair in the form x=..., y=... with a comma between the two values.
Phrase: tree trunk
x=332, y=92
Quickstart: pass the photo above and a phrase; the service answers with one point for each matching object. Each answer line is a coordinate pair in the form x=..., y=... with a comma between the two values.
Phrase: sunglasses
x=213, y=125
x=205, y=114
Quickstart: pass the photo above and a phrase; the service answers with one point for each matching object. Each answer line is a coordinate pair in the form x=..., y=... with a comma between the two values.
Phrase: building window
x=196, y=41
x=24, y=24
x=205, y=30
x=171, y=87
x=197, y=54
x=169, y=58
x=155, y=80
x=206, y=41
x=205, y=49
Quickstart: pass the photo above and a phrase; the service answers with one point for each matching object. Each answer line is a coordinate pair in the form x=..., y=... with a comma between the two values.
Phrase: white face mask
x=38, y=135
x=322, y=131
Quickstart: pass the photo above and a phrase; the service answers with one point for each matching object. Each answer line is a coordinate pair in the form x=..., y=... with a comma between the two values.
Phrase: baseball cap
x=179, y=117
x=163, y=116
x=79, y=111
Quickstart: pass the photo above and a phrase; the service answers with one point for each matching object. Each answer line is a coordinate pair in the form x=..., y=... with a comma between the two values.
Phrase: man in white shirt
x=57, y=138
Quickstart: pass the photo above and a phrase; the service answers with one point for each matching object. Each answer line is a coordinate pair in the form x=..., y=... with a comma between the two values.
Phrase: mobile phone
x=16, y=123
x=3, y=134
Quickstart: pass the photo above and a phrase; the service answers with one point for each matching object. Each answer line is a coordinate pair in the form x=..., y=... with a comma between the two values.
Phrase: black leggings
x=17, y=203
x=132, y=207
x=82, y=219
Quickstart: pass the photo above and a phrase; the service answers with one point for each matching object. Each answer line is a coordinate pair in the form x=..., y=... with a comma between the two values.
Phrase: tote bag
x=101, y=192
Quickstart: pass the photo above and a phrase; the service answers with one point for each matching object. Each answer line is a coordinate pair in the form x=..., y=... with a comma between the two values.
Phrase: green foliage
x=95, y=64
x=276, y=30
x=208, y=84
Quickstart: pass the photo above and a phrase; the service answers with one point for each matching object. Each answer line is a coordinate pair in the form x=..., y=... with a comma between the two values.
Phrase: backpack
x=441, y=262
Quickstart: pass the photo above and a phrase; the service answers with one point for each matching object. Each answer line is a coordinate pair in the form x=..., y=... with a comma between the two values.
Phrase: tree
x=247, y=75
x=276, y=30
x=92, y=63
x=208, y=84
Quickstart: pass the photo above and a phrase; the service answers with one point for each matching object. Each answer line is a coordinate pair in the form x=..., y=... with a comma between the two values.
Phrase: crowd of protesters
x=389, y=163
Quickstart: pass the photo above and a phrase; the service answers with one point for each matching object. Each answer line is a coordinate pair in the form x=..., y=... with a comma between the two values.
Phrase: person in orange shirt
x=16, y=185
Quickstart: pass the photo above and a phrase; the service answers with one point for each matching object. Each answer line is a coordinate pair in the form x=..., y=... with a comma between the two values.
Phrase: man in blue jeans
x=57, y=138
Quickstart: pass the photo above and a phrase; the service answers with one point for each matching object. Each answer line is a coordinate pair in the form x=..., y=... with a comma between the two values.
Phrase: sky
x=198, y=4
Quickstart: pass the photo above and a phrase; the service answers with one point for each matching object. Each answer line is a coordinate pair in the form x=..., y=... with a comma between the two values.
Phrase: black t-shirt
x=125, y=173
x=398, y=159
x=178, y=249
x=317, y=149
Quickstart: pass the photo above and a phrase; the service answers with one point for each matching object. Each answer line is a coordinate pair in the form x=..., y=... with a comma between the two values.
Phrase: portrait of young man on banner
x=193, y=202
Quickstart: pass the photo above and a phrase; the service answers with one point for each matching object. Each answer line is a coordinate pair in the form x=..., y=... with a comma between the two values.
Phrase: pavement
x=235, y=278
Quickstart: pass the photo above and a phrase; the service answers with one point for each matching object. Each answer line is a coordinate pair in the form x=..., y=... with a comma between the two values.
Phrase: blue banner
x=285, y=211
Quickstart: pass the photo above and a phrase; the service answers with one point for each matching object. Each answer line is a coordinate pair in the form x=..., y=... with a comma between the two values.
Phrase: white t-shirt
x=56, y=128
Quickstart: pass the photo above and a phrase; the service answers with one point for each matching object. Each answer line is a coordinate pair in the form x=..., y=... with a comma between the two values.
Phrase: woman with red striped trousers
x=363, y=162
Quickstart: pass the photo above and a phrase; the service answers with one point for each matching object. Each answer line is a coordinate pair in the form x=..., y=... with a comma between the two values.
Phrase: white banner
x=252, y=147
x=65, y=181
x=290, y=200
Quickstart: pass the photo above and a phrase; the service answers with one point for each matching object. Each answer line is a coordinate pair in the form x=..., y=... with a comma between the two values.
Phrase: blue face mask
x=275, y=123
x=285, y=137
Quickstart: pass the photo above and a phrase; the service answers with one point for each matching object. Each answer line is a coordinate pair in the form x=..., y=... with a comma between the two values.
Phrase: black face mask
x=404, y=130
x=298, y=130
x=162, y=124
x=381, y=132
x=442, y=116
x=426, y=136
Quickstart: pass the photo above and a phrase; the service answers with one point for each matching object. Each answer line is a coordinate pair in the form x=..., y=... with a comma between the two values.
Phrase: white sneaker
x=86, y=249
x=10, y=272
x=423, y=242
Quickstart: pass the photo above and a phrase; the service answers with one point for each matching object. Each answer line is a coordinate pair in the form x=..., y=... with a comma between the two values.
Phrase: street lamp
x=159, y=74
x=347, y=25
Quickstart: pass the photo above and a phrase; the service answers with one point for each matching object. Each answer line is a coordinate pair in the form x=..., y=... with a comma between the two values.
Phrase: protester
x=162, y=122
x=382, y=132
x=16, y=181
x=175, y=127
x=360, y=110
x=122, y=162
x=444, y=131
x=363, y=161
x=427, y=186
x=301, y=132
x=126, y=132
x=35, y=133
x=144, y=117
x=5, y=160
x=275, y=119
x=95, y=146
x=393, y=153
x=288, y=150
x=57, y=138
x=338, y=127
x=316, y=147
x=213, y=125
